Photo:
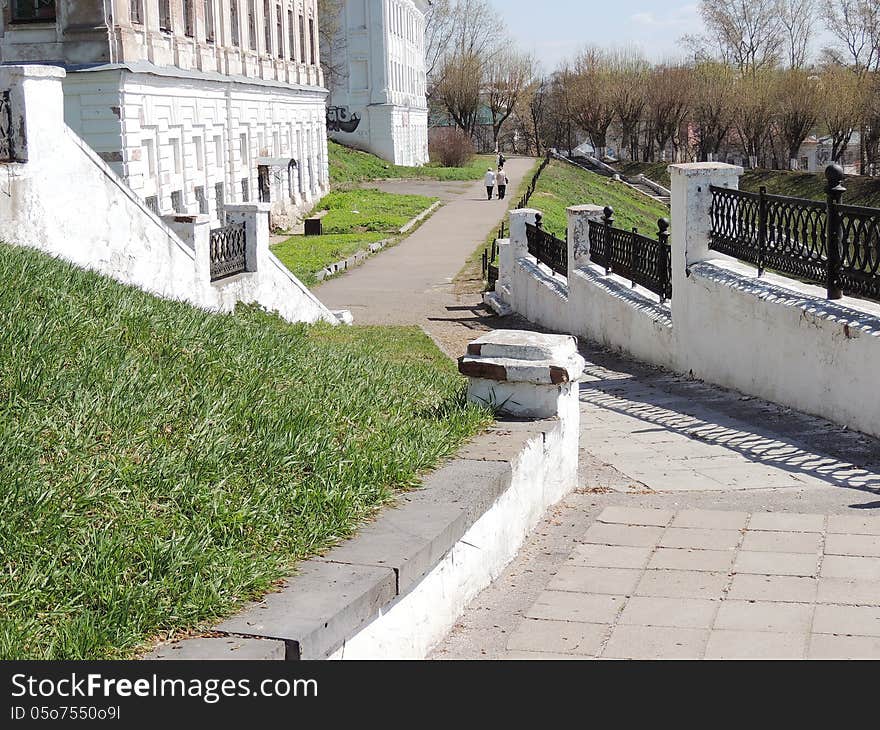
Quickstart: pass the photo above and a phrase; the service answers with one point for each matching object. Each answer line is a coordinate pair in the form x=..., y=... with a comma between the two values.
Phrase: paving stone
x=866, y=545
x=764, y=616
x=565, y=606
x=684, y=559
x=847, y=620
x=682, y=584
x=787, y=588
x=671, y=478
x=710, y=519
x=558, y=637
x=623, y=535
x=644, y=642
x=849, y=592
x=223, y=647
x=853, y=525
x=827, y=646
x=787, y=522
x=533, y=656
x=700, y=539
x=781, y=542
x=799, y=564
x=728, y=644
x=581, y=579
x=610, y=556
x=685, y=613
x=636, y=516
x=849, y=566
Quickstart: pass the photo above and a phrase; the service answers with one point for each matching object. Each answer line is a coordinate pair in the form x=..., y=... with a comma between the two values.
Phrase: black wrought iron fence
x=7, y=153
x=644, y=261
x=825, y=243
x=490, y=268
x=546, y=248
x=228, y=251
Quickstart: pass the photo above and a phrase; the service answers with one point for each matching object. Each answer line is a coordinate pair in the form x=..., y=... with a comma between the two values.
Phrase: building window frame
x=189, y=19
x=234, y=31
x=302, y=38
x=33, y=11
x=209, y=21
x=166, y=22
x=136, y=11
x=252, y=24
x=312, y=51
x=279, y=27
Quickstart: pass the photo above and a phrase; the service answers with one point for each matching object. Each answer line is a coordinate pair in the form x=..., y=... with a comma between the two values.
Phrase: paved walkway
x=706, y=524
x=412, y=282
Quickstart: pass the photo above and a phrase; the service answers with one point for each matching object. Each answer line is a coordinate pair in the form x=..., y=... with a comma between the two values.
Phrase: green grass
x=160, y=464
x=356, y=219
x=352, y=166
x=563, y=185
x=305, y=255
x=860, y=190
x=369, y=210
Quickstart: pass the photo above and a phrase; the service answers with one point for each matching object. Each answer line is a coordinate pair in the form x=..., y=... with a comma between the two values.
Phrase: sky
x=555, y=29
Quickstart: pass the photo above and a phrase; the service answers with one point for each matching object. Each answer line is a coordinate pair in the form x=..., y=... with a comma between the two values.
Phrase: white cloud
x=677, y=17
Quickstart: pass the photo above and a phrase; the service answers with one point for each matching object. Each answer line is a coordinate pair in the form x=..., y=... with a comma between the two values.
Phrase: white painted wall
x=771, y=337
x=66, y=201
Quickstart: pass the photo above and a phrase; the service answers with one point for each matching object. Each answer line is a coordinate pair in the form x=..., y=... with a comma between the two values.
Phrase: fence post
x=633, y=256
x=663, y=238
x=608, y=219
x=762, y=228
x=834, y=190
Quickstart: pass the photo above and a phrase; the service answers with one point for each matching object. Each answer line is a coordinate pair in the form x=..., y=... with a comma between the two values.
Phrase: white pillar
x=195, y=231
x=255, y=217
x=37, y=109
x=518, y=242
x=579, y=217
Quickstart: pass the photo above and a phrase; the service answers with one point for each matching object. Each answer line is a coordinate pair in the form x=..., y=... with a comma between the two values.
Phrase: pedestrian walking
x=490, y=182
x=501, y=159
x=501, y=182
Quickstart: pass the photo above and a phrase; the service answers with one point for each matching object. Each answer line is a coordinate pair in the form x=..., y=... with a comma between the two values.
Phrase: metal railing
x=644, y=261
x=490, y=268
x=228, y=251
x=530, y=190
x=828, y=243
x=546, y=248
x=7, y=153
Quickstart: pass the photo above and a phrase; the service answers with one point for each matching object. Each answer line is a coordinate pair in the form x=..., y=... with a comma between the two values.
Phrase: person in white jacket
x=501, y=182
x=490, y=182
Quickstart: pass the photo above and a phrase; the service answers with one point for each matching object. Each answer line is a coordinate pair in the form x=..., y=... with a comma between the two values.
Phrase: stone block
x=635, y=516
x=786, y=522
x=826, y=646
x=853, y=525
x=684, y=559
x=633, y=536
x=318, y=609
x=761, y=563
x=847, y=620
x=696, y=538
x=642, y=642
x=849, y=591
x=850, y=566
x=684, y=613
x=558, y=637
x=475, y=485
x=782, y=542
x=586, y=608
x=582, y=579
x=859, y=545
x=727, y=644
x=710, y=519
x=219, y=648
x=610, y=556
x=785, y=588
x=764, y=616
x=410, y=539
x=682, y=584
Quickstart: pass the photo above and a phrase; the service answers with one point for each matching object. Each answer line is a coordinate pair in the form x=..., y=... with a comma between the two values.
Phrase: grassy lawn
x=304, y=255
x=356, y=219
x=159, y=464
x=860, y=190
x=352, y=166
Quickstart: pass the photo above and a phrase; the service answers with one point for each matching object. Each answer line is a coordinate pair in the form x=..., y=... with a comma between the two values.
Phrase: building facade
x=378, y=103
x=195, y=103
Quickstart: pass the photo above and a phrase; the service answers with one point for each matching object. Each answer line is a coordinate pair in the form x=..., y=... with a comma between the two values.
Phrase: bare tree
x=628, y=87
x=536, y=114
x=798, y=18
x=508, y=77
x=855, y=25
x=714, y=85
x=753, y=114
x=670, y=97
x=439, y=31
x=841, y=107
x=332, y=42
x=797, y=108
x=593, y=108
x=460, y=89
x=745, y=33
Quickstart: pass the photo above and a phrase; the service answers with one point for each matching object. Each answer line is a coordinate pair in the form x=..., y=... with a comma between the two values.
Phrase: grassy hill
x=860, y=190
x=348, y=166
x=160, y=464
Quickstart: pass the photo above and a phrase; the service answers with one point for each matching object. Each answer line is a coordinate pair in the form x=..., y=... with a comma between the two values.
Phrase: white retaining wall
x=770, y=337
x=63, y=199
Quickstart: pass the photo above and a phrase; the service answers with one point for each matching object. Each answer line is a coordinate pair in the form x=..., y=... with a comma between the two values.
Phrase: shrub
x=450, y=147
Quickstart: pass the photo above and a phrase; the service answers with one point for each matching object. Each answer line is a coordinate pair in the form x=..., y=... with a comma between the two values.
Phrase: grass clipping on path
x=160, y=464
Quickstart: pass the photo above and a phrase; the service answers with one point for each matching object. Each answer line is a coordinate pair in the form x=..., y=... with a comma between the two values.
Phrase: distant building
x=378, y=104
x=195, y=103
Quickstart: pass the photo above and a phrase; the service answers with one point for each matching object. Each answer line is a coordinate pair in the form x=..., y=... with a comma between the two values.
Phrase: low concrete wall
x=61, y=198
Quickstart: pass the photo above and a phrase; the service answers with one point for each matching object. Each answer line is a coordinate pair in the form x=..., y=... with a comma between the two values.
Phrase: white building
x=379, y=103
x=195, y=103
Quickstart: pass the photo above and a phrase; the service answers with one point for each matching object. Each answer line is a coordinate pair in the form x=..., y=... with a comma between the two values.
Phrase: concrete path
x=706, y=524
x=412, y=282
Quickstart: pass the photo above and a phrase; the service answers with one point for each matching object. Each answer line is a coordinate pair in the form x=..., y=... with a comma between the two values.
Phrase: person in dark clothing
x=501, y=159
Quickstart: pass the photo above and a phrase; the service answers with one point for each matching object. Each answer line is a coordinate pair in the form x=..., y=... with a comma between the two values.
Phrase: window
x=137, y=11
x=202, y=200
x=33, y=11
x=279, y=26
x=252, y=24
x=219, y=203
x=200, y=153
x=245, y=190
x=291, y=35
x=267, y=27
x=209, y=21
x=233, y=26
x=153, y=204
x=165, y=15
x=312, y=40
x=189, y=23
x=149, y=153
x=302, y=39
x=218, y=150
x=175, y=153
x=177, y=201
